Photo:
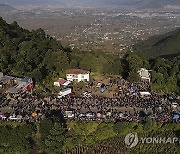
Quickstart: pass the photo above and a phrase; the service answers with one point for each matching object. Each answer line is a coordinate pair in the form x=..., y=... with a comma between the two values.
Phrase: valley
x=110, y=30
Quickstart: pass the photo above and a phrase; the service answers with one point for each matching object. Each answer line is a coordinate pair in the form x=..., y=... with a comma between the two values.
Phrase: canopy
x=133, y=89
x=102, y=90
x=34, y=114
x=176, y=116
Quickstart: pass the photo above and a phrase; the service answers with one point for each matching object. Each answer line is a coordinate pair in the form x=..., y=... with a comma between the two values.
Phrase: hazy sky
x=128, y=3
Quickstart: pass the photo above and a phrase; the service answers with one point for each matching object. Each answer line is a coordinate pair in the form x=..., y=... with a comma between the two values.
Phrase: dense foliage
x=51, y=136
x=166, y=74
x=17, y=139
x=29, y=53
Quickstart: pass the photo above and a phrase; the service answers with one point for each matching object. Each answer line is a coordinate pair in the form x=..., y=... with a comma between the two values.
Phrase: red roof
x=61, y=81
x=76, y=71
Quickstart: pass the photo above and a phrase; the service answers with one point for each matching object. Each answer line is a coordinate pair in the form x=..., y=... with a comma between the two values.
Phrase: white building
x=144, y=74
x=77, y=75
x=61, y=82
x=1, y=75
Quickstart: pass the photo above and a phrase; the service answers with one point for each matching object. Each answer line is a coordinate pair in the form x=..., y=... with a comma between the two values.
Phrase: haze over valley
x=111, y=26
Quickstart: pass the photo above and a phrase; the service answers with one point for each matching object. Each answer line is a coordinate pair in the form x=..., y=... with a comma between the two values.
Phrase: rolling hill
x=150, y=3
x=165, y=45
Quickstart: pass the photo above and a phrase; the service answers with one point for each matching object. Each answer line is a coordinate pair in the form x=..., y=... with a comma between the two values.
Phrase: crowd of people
x=126, y=104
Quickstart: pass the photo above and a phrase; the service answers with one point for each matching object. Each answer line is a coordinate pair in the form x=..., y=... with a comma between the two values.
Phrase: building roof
x=144, y=73
x=20, y=83
x=77, y=71
x=66, y=83
x=5, y=79
x=65, y=89
x=13, y=90
x=61, y=81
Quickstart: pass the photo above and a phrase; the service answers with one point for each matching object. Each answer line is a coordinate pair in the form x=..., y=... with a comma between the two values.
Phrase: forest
x=37, y=55
x=165, y=45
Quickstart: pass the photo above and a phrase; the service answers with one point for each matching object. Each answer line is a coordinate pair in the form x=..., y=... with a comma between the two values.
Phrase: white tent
x=145, y=93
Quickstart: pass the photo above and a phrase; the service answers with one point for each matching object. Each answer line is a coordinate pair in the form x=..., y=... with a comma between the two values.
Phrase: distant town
x=111, y=30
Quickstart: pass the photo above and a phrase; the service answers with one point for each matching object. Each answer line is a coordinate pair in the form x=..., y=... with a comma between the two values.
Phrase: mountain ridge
x=165, y=45
x=98, y=3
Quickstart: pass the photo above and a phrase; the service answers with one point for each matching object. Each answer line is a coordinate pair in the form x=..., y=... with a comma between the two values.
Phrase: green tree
x=56, y=60
x=147, y=123
x=134, y=62
x=120, y=127
x=37, y=75
x=89, y=62
x=55, y=140
x=17, y=139
x=131, y=63
x=133, y=77
x=117, y=66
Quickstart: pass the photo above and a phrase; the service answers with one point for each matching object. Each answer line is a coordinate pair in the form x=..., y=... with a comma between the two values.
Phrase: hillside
x=35, y=54
x=152, y=4
x=165, y=45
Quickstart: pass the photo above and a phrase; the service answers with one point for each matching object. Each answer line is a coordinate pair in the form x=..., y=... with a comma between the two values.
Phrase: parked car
x=174, y=104
x=86, y=94
x=98, y=85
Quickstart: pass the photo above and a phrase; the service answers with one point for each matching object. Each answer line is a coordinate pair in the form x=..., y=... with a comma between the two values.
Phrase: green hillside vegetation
x=52, y=136
x=165, y=75
x=165, y=45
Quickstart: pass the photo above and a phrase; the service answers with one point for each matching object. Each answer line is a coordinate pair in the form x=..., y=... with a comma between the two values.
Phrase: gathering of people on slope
x=126, y=104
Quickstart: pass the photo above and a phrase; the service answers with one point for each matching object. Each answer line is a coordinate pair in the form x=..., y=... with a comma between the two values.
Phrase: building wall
x=1, y=74
x=147, y=75
x=77, y=78
x=56, y=84
x=83, y=77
